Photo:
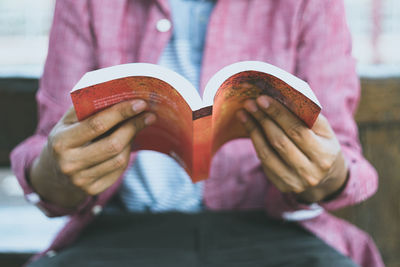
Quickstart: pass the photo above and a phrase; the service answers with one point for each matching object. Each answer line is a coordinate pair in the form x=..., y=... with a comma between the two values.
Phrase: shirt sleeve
x=324, y=60
x=70, y=55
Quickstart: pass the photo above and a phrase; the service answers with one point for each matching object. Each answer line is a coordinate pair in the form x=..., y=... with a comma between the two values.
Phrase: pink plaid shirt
x=307, y=38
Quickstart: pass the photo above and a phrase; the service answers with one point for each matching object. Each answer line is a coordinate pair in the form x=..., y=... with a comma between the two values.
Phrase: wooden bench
x=378, y=118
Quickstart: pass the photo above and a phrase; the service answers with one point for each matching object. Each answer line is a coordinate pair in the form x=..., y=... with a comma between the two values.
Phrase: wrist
x=44, y=180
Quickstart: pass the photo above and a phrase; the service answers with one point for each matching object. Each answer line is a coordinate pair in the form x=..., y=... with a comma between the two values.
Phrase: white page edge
x=177, y=81
x=225, y=73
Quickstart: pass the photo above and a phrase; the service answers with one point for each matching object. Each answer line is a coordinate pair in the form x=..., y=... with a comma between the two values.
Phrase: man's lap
x=204, y=239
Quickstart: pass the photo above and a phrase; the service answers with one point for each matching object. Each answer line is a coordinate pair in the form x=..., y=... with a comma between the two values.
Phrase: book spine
x=203, y=112
x=202, y=136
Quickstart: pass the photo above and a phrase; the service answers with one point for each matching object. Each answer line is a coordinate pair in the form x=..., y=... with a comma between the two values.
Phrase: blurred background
x=375, y=28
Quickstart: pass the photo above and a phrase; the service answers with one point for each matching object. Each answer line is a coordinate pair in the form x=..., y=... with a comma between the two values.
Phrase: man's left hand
x=294, y=157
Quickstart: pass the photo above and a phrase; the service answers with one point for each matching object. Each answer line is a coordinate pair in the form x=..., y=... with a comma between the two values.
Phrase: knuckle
x=91, y=190
x=295, y=131
x=280, y=143
x=120, y=162
x=114, y=146
x=298, y=189
x=265, y=122
x=325, y=164
x=138, y=124
x=274, y=111
x=57, y=146
x=309, y=177
x=67, y=168
x=302, y=171
x=292, y=184
x=96, y=125
x=78, y=181
x=264, y=155
x=250, y=127
x=124, y=112
x=311, y=180
x=82, y=178
x=260, y=116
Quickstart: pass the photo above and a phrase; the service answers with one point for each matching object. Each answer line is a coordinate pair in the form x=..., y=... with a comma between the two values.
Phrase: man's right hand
x=85, y=158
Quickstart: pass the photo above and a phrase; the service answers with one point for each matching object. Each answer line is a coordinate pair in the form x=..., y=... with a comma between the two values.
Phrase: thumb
x=322, y=127
x=70, y=116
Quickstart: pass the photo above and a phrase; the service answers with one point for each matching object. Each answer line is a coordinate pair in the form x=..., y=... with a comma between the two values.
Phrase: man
x=289, y=170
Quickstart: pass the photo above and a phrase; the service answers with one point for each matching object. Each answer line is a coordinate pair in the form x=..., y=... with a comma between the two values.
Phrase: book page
x=177, y=81
x=225, y=73
x=250, y=84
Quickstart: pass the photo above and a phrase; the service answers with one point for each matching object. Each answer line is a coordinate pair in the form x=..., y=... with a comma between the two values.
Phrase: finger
x=103, y=183
x=322, y=127
x=271, y=162
x=112, y=145
x=278, y=182
x=85, y=131
x=281, y=143
x=319, y=144
x=70, y=116
x=85, y=178
x=296, y=130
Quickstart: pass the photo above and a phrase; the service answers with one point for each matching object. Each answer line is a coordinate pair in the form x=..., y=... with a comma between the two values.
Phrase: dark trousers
x=203, y=239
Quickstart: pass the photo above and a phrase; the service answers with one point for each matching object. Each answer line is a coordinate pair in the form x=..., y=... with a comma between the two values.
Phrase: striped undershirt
x=156, y=182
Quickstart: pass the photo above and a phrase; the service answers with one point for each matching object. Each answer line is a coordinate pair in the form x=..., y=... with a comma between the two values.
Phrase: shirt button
x=97, y=209
x=163, y=25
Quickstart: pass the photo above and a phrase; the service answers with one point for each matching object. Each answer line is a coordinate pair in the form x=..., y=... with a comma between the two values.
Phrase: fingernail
x=138, y=105
x=263, y=101
x=241, y=116
x=251, y=106
x=149, y=119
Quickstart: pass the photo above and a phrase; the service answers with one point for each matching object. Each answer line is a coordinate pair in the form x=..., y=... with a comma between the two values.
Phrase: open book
x=189, y=128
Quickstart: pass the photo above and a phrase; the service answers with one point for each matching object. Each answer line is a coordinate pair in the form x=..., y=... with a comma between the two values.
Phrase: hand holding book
x=95, y=142
x=191, y=129
x=294, y=157
x=86, y=157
